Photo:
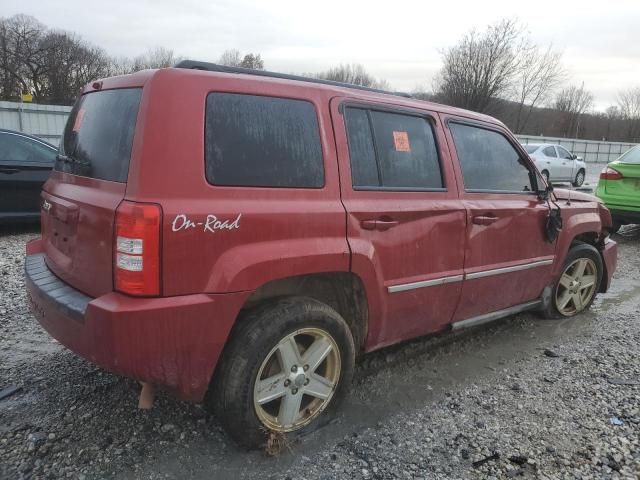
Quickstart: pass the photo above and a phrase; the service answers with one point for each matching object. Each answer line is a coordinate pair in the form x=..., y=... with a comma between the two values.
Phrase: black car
x=25, y=164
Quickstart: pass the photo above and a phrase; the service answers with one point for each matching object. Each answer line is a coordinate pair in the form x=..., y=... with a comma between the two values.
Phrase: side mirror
x=544, y=192
x=574, y=157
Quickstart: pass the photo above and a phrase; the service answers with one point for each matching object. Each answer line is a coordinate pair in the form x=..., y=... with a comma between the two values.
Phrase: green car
x=619, y=188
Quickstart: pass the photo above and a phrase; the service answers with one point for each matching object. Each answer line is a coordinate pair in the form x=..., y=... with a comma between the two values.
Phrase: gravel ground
x=523, y=398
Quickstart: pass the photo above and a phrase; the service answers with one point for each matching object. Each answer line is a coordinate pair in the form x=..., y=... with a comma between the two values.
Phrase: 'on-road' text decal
x=211, y=223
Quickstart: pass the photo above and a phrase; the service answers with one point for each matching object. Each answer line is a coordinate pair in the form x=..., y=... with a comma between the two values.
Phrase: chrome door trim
x=403, y=287
x=515, y=268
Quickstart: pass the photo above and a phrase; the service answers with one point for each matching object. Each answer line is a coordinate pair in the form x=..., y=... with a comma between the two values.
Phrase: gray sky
x=395, y=40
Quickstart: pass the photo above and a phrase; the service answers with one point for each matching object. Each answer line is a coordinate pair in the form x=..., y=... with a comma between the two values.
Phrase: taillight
x=136, y=250
x=609, y=173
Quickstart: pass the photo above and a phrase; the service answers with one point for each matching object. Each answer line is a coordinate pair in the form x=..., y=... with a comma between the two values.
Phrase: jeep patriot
x=241, y=237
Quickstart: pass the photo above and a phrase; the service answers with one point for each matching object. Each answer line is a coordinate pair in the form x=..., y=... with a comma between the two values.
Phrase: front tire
x=577, y=286
x=579, y=180
x=284, y=371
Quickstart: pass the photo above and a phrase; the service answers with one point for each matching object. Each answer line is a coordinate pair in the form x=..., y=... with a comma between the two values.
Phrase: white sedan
x=557, y=164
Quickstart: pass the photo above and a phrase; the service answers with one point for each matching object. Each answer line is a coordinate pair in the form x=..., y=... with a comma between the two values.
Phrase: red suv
x=240, y=237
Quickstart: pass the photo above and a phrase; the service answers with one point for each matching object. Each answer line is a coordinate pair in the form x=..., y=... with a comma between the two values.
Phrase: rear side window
x=392, y=151
x=550, y=152
x=99, y=134
x=488, y=161
x=262, y=141
x=631, y=156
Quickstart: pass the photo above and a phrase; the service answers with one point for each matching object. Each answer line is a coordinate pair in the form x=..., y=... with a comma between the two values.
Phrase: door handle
x=485, y=219
x=9, y=171
x=379, y=224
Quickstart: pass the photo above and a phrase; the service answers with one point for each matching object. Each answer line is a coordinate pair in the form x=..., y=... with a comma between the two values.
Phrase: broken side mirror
x=544, y=191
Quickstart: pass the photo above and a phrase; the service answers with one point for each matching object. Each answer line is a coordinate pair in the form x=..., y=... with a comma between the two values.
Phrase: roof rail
x=214, y=67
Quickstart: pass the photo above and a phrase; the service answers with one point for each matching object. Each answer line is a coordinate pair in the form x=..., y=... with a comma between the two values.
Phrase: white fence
x=44, y=121
x=590, y=150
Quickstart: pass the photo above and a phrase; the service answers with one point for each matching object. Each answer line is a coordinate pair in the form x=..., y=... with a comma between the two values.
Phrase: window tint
x=489, y=161
x=20, y=149
x=262, y=141
x=407, y=157
x=364, y=170
x=99, y=134
x=550, y=152
x=564, y=153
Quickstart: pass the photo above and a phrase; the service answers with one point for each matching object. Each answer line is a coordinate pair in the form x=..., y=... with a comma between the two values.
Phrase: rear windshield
x=99, y=134
x=530, y=148
x=631, y=156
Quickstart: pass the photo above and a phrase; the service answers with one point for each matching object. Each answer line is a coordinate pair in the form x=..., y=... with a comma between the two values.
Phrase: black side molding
x=69, y=301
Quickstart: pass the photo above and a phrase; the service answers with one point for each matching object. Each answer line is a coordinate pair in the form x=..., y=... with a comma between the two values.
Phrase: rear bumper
x=174, y=342
x=625, y=216
x=610, y=260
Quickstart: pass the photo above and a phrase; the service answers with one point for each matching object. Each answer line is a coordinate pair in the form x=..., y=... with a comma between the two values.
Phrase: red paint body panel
x=172, y=341
x=207, y=276
x=427, y=243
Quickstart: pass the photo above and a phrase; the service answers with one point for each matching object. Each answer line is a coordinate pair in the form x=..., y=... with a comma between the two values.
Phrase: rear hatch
x=88, y=183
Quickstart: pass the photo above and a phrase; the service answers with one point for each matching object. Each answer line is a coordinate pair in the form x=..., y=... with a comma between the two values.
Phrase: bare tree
x=629, y=104
x=539, y=75
x=354, y=74
x=233, y=58
x=482, y=67
x=572, y=102
x=252, y=61
x=158, y=57
x=230, y=58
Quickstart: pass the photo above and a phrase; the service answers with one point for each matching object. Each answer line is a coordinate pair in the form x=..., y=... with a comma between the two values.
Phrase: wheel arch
x=342, y=291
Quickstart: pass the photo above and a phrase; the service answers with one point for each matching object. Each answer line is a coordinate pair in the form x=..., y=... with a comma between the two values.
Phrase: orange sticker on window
x=78, y=122
x=401, y=141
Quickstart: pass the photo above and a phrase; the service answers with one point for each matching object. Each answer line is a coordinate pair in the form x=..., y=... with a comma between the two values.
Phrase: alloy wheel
x=576, y=287
x=297, y=380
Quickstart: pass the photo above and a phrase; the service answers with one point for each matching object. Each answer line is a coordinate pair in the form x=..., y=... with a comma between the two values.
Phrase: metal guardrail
x=44, y=121
x=591, y=151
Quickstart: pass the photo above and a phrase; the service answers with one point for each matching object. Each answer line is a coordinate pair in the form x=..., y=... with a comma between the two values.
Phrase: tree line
x=499, y=71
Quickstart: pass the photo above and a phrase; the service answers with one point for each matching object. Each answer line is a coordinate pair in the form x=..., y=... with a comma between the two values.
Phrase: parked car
x=241, y=237
x=557, y=164
x=619, y=188
x=25, y=164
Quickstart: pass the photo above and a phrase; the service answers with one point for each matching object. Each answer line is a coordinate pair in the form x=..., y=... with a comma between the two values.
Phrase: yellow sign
x=27, y=97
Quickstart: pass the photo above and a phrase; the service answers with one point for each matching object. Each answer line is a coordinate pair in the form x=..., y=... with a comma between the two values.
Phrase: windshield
x=530, y=148
x=631, y=156
x=99, y=134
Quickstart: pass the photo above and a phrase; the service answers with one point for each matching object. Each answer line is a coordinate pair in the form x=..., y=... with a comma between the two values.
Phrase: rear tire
x=256, y=392
x=576, y=288
x=579, y=180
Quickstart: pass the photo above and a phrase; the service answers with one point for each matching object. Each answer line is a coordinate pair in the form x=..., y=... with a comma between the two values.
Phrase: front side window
x=488, y=160
x=550, y=152
x=262, y=142
x=564, y=153
x=392, y=151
